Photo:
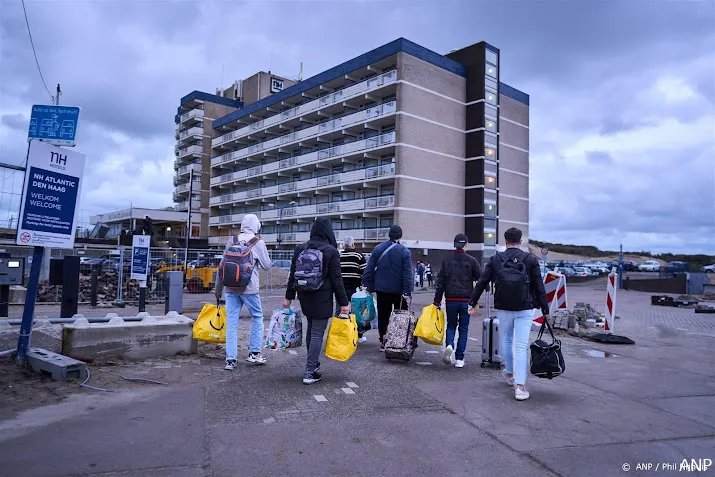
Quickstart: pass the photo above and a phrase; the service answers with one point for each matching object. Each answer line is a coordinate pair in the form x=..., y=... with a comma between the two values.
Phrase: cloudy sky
x=622, y=94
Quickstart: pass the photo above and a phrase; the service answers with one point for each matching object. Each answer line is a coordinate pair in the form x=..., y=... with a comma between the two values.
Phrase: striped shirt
x=352, y=265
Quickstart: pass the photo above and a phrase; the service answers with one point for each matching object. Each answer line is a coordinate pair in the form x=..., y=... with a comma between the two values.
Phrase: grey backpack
x=308, y=274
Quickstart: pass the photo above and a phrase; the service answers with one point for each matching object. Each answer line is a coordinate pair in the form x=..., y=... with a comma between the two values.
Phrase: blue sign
x=54, y=124
x=48, y=211
x=140, y=257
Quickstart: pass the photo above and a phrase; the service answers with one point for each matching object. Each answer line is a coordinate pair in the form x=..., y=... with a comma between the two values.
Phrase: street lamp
x=280, y=219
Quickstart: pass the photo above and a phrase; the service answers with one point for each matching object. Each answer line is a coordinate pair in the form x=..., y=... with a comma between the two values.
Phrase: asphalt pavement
x=653, y=402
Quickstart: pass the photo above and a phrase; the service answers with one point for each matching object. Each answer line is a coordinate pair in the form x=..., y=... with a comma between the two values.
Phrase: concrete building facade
x=399, y=135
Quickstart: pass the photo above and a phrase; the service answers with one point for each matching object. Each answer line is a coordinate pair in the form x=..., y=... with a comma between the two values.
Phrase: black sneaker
x=314, y=378
x=317, y=368
x=231, y=364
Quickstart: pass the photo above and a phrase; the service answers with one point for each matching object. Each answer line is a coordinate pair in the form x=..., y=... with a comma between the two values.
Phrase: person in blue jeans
x=237, y=297
x=518, y=290
x=455, y=282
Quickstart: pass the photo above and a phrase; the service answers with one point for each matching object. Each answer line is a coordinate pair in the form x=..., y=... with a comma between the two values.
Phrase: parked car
x=87, y=264
x=582, y=272
x=282, y=264
x=600, y=270
x=569, y=272
x=649, y=266
x=708, y=269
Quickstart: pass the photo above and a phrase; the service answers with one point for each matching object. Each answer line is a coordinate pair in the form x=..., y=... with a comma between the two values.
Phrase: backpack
x=512, y=284
x=308, y=274
x=238, y=264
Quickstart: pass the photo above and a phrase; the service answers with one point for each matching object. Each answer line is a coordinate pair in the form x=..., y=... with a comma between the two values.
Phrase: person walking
x=389, y=275
x=518, y=290
x=428, y=273
x=315, y=278
x=456, y=283
x=420, y=270
x=237, y=297
x=352, y=268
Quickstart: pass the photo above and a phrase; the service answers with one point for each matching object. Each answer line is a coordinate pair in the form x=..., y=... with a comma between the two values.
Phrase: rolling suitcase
x=491, y=338
x=400, y=342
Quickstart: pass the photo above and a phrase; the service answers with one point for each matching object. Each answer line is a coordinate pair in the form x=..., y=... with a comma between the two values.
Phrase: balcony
x=187, y=169
x=332, y=98
x=367, y=235
x=192, y=116
x=183, y=188
x=341, y=178
x=194, y=150
x=184, y=206
x=313, y=210
x=311, y=157
x=314, y=131
x=192, y=134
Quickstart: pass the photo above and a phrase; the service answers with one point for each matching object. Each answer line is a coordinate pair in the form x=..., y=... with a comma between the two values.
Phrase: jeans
x=234, y=303
x=386, y=302
x=515, y=329
x=457, y=312
x=314, y=341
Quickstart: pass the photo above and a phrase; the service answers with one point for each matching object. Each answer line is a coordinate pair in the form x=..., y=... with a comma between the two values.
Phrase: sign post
x=544, y=254
x=140, y=265
x=48, y=215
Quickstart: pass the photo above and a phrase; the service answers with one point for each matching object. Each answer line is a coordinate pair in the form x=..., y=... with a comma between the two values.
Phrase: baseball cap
x=460, y=241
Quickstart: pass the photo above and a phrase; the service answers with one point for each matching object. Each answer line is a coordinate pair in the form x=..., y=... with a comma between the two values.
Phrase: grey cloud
x=13, y=121
x=598, y=158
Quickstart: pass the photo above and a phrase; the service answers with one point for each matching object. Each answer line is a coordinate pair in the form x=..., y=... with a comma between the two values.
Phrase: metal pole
x=280, y=218
x=142, y=296
x=120, y=280
x=23, y=342
x=188, y=220
x=94, y=285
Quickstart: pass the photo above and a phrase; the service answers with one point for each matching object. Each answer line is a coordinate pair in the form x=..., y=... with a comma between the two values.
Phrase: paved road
x=650, y=403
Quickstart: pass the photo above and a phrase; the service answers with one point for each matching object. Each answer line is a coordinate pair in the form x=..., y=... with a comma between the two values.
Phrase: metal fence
x=113, y=270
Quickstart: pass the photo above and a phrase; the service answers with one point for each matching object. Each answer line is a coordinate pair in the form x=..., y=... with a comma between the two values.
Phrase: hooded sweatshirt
x=250, y=225
x=319, y=303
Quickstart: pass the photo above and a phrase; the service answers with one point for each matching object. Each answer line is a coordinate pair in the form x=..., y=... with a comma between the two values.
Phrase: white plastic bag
x=285, y=329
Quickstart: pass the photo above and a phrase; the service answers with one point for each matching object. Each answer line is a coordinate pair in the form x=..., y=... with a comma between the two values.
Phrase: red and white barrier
x=610, y=302
x=555, y=286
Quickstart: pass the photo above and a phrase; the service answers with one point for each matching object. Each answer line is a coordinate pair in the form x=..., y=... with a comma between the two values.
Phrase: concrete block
x=17, y=295
x=59, y=367
x=150, y=338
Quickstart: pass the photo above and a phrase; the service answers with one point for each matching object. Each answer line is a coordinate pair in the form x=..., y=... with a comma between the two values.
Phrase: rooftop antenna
x=300, y=74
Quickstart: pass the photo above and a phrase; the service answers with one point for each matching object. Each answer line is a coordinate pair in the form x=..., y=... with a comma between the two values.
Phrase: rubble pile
x=582, y=316
x=106, y=290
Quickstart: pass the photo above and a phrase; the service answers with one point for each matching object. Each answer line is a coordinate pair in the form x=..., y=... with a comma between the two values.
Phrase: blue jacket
x=394, y=272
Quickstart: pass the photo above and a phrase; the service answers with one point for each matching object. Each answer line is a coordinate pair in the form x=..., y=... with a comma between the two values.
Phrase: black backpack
x=308, y=274
x=511, y=283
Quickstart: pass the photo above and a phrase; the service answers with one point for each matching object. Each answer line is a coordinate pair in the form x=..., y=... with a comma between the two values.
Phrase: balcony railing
x=313, y=183
x=193, y=114
x=184, y=206
x=332, y=98
x=194, y=131
x=181, y=188
x=312, y=210
x=187, y=169
x=366, y=235
x=188, y=151
x=316, y=130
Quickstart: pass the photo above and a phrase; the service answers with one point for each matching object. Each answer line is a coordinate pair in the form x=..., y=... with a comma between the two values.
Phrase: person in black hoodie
x=317, y=305
x=456, y=282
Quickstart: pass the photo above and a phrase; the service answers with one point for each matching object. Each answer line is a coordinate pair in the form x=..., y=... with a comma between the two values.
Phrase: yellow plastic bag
x=430, y=326
x=342, y=338
x=210, y=326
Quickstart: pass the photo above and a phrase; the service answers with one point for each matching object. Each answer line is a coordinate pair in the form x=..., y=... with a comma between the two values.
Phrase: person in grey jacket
x=237, y=297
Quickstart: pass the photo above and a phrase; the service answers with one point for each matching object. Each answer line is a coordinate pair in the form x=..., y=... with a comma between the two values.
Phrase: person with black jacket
x=317, y=305
x=455, y=282
x=518, y=290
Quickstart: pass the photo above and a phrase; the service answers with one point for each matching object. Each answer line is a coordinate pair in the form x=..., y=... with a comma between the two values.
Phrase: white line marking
x=320, y=398
x=432, y=352
x=347, y=390
x=683, y=329
x=352, y=385
x=269, y=420
x=424, y=363
x=473, y=339
x=292, y=351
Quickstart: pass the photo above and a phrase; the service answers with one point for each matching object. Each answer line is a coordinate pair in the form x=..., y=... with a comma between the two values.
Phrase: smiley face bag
x=210, y=326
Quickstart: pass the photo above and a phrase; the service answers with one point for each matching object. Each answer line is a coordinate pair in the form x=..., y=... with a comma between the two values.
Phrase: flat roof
x=157, y=215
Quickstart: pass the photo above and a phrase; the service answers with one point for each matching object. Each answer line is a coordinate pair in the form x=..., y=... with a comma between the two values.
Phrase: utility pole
x=188, y=219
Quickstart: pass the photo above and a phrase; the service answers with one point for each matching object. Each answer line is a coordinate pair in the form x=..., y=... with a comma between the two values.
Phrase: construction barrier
x=555, y=286
x=610, y=302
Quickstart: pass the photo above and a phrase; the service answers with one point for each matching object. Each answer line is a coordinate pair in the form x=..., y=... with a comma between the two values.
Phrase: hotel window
x=490, y=153
x=490, y=210
x=490, y=168
x=491, y=70
x=490, y=84
x=490, y=182
x=490, y=124
x=490, y=139
x=491, y=56
x=490, y=238
x=490, y=224
x=386, y=222
x=490, y=97
x=490, y=111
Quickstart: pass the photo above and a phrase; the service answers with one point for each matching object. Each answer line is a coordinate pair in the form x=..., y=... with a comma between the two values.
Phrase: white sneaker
x=256, y=358
x=447, y=357
x=521, y=394
x=362, y=340
x=230, y=364
x=509, y=380
x=459, y=363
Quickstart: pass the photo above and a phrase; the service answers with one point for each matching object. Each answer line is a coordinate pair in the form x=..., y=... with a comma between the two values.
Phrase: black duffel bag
x=547, y=361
